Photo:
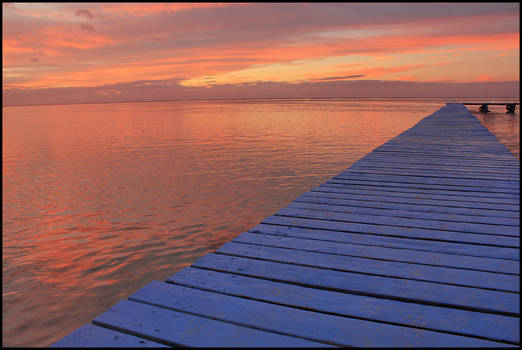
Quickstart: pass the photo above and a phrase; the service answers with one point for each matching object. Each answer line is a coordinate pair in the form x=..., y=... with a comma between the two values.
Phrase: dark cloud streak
x=341, y=78
x=88, y=27
x=84, y=13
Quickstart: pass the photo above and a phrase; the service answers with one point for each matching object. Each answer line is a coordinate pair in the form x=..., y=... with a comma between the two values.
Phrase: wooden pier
x=416, y=244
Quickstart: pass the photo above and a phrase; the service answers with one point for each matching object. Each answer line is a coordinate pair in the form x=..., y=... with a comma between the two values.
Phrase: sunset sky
x=96, y=52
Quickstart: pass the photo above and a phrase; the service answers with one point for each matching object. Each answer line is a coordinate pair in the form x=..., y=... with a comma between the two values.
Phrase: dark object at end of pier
x=510, y=107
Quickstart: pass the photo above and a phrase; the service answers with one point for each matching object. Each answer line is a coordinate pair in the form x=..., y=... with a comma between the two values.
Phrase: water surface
x=100, y=199
x=505, y=126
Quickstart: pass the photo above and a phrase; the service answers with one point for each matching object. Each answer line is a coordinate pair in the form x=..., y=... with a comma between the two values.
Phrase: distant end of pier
x=510, y=106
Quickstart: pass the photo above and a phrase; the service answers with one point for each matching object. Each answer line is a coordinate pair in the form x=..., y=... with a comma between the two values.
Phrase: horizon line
x=249, y=98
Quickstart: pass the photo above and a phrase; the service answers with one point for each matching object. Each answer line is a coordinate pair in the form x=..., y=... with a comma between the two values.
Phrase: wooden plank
x=442, y=149
x=181, y=329
x=480, y=141
x=383, y=191
x=329, y=329
x=387, y=268
x=394, y=185
x=466, y=298
x=432, y=173
x=429, y=145
x=395, y=231
x=510, y=185
x=424, y=159
x=501, y=253
x=332, y=198
x=91, y=336
x=489, y=326
x=453, y=226
x=508, y=267
x=428, y=164
x=455, y=155
x=455, y=193
x=419, y=199
x=458, y=169
x=432, y=167
x=403, y=213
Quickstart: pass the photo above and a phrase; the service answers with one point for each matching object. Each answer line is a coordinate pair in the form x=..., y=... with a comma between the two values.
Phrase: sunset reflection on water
x=99, y=200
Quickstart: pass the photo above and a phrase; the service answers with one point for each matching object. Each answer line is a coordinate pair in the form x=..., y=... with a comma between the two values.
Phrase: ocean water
x=101, y=199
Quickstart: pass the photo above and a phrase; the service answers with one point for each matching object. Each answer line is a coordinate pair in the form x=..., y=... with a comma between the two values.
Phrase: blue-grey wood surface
x=416, y=244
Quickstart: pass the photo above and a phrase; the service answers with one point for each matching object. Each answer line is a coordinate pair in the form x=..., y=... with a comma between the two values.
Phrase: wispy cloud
x=84, y=13
x=341, y=78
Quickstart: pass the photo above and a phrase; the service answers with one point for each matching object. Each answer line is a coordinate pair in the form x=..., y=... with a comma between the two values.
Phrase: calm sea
x=101, y=199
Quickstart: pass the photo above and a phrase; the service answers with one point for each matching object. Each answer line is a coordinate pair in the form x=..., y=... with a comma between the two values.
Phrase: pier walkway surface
x=416, y=244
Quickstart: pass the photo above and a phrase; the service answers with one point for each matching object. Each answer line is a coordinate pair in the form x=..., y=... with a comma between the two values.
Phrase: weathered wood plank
x=457, y=170
x=395, y=231
x=382, y=253
x=484, y=153
x=495, y=327
x=321, y=327
x=375, y=160
x=460, y=227
x=428, y=144
x=453, y=155
x=395, y=184
x=479, y=143
x=387, y=268
x=510, y=185
x=512, y=203
x=427, y=160
x=303, y=204
x=432, y=194
x=454, y=248
x=432, y=173
x=416, y=137
x=420, y=199
x=333, y=198
x=181, y=329
x=455, y=193
x=466, y=298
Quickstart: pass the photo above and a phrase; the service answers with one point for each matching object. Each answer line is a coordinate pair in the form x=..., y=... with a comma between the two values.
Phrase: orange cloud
x=60, y=36
x=484, y=78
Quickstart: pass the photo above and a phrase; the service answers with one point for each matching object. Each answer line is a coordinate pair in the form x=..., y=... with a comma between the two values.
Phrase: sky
x=111, y=52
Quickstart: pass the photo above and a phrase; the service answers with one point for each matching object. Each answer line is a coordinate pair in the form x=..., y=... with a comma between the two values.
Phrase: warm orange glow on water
x=98, y=200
